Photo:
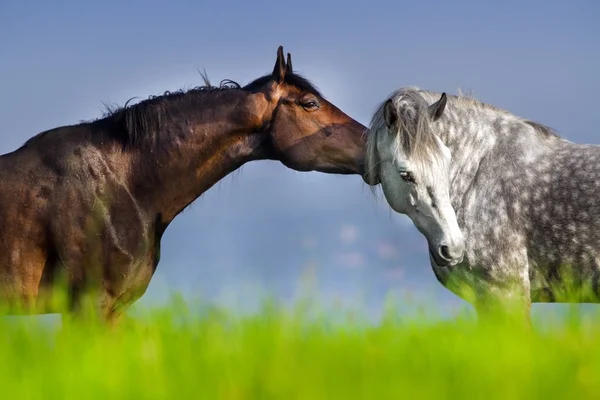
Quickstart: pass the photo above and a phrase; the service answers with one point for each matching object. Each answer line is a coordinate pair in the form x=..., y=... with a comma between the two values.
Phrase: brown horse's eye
x=310, y=105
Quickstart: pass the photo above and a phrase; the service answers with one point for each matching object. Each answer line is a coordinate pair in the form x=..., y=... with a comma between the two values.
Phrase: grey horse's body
x=527, y=202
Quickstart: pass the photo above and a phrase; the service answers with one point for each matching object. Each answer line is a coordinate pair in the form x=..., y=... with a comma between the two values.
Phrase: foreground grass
x=177, y=354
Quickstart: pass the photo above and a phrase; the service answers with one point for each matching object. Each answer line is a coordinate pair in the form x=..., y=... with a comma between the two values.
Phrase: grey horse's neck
x=489, y=145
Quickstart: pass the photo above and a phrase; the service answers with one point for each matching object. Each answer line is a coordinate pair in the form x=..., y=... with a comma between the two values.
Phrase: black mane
x=291, y=79
x=139, y=124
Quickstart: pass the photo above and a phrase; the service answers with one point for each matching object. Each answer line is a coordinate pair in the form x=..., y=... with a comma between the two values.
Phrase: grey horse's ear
x=390, y=114
x=437, y=109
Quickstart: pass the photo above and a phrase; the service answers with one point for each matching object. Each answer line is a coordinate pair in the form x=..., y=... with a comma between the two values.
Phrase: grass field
x=177, y=353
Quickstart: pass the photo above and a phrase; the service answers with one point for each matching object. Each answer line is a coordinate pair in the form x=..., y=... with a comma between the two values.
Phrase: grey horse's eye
x=407, y=176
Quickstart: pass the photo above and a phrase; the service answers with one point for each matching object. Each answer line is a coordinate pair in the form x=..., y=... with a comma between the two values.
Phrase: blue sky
x=59, y=61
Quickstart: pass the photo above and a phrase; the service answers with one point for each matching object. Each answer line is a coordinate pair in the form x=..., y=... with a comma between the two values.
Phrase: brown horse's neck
x=200, y=144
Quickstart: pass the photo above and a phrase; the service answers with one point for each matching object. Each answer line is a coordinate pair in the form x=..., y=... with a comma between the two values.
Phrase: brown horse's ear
x=390, y=114
x=279, y=70
x=437, y=109
x=289, y=64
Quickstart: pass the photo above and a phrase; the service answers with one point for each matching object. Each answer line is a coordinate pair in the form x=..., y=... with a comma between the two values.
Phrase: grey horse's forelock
x=414, y=140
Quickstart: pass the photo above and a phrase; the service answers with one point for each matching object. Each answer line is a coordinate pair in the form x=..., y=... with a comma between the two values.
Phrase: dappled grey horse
x=526, y=200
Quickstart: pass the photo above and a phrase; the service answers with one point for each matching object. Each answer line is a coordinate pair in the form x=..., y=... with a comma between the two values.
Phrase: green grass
x=177, y=353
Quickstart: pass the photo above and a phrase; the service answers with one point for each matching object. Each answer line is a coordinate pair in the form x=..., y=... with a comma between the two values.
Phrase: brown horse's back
x=24, y=223
x=58, y=212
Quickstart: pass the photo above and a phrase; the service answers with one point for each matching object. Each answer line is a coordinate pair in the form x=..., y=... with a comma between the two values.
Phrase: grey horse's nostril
x=444, y=251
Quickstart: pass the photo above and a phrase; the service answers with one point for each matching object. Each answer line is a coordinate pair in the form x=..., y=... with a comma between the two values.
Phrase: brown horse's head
x=302, y=129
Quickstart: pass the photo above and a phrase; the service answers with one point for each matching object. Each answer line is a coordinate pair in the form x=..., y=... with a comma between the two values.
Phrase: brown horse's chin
x=335, y=170
x=332, y=169
x=325, y=169
x=298, y=161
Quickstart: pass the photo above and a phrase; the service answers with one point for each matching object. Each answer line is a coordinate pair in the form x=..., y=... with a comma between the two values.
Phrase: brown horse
x=85, y=205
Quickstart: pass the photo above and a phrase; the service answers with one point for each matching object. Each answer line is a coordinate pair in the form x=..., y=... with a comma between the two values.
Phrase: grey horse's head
x=406, y=155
